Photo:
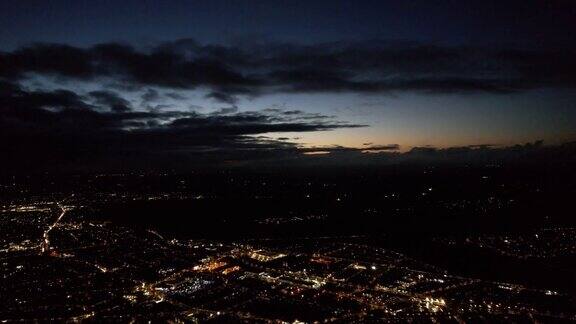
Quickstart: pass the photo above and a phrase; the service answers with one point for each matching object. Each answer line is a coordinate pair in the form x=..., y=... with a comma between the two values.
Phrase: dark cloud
x=52, y=129
x=112, y=100
x=223, y=97
x=48, y=59
x=175, y=96
x=248, y=124
x=150, y=95
x=535, y=153
x=363, y=67
x=486, y=153
x=226, y=110
x=14, y=99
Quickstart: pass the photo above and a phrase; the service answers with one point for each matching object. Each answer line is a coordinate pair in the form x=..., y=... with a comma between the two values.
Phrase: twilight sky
x=178, y=82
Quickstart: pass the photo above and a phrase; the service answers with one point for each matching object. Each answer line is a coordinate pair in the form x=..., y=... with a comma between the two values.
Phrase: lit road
x=45, y=245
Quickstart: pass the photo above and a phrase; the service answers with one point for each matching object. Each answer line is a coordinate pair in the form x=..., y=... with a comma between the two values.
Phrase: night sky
x=130, y=84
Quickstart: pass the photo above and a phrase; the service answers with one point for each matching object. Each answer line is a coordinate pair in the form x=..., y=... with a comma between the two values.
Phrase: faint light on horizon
x=317, y=153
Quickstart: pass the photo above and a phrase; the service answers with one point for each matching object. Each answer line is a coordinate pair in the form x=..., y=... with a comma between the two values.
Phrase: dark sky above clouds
x=85, y=23
x=111, y=84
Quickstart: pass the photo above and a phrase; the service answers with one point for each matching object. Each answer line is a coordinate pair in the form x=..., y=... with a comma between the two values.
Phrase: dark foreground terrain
x=485, y=244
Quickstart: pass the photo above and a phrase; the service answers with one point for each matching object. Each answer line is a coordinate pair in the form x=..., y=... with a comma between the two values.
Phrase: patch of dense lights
x=434, y=305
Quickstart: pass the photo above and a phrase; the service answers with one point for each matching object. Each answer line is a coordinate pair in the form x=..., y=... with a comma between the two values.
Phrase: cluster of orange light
x=230, y=270
x=210, y=266
x=321, y=260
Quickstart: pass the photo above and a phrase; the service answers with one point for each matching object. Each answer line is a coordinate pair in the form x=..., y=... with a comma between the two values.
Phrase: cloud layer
x=43, y=128
x=359, y=67
x=102, y=128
